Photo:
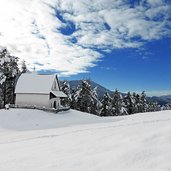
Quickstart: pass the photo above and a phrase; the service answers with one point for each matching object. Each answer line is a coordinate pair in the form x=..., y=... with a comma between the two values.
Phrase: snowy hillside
x=32, y=140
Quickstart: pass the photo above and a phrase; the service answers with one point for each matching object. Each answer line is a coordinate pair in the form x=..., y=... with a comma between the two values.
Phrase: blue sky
x=124, y=44
x=146, y=68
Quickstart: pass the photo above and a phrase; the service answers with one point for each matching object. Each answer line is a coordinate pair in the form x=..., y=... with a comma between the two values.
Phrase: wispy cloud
x=153, y=92
x=108, y=68
x=66, y=35
x=158, y=93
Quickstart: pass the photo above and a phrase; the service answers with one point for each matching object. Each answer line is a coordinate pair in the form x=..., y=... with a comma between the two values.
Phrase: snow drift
x=32, y=140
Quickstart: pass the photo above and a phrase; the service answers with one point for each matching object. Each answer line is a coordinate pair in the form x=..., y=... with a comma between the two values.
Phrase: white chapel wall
x=32, y=99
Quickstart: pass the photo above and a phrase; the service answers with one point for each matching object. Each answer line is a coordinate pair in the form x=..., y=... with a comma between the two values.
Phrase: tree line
x=85, y=99
x=9, y=73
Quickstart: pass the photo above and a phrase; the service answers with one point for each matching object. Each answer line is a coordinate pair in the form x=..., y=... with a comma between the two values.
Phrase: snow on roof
x=34, y=83
x=59, y=94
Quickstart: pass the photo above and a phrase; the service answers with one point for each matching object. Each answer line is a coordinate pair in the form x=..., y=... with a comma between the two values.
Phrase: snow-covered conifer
x=8, y=71
x=84, y=96
x=73, y=104
x=143, y=102
x=117, y=102
x=95, y=103
x=24, y=67
x=106, y=105
x=66, y=89
x=129, y=103
x=137, y=106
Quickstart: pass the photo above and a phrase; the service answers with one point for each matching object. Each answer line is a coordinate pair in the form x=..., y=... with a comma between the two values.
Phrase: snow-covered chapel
x=40, y=90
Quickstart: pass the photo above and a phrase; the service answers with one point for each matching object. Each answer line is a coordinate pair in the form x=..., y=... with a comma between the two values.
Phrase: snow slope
x=33, y=140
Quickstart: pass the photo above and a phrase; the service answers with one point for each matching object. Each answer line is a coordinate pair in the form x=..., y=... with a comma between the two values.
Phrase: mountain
x=166, y=98
x=162, y=100
x=100, y=89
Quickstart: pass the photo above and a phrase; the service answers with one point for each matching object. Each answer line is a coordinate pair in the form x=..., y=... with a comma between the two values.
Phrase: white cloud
x=31, y=30
x=158, y=93
x=151, y=93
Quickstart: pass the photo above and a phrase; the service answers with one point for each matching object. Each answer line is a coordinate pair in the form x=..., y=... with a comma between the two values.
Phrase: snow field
x=33, y=140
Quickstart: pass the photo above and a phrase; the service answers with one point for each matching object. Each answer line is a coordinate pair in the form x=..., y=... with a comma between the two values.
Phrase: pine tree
x=138, y=103
x=84, y=96
x=66, y=89
x=143, y=102
x=106, y=105
x=153, y=107
x=24, y=67
x=117, y=102
x=129, y=103
x=8, y=71
x=167, y=106
x=95, y=103
x=135, y=105
x=73, y=100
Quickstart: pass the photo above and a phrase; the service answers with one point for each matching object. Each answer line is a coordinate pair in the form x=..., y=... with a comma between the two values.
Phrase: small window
x=55, y=85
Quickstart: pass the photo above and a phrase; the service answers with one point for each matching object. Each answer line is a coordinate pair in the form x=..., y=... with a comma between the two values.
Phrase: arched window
x=54, y=104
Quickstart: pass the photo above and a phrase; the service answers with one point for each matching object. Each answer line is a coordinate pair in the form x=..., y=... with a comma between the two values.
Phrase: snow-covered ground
x=33, y=140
